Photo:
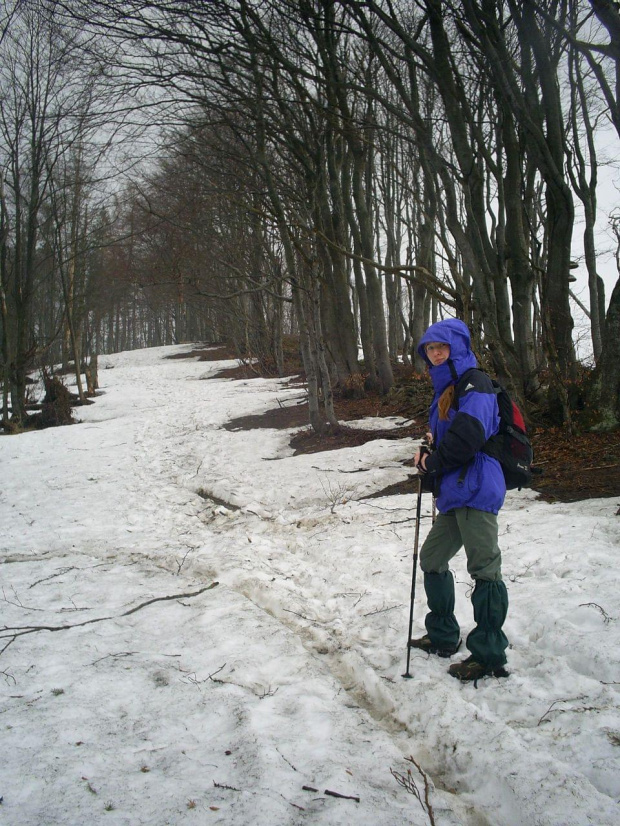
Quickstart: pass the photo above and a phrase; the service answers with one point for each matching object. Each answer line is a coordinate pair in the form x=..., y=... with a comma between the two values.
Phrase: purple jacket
x=464, y=475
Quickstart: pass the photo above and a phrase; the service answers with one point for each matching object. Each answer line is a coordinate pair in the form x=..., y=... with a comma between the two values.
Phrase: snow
x=136, y=690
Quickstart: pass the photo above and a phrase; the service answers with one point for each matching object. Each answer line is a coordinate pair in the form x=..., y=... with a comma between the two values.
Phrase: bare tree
x=36, y=65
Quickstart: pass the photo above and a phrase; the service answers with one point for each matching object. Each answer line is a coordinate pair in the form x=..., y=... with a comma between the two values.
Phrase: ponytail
x=445, y=402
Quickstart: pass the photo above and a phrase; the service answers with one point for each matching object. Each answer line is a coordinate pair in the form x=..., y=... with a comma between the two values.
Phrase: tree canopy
x=343, y=172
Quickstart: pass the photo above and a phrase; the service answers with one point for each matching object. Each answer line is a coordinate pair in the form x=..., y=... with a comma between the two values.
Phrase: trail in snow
x=308, y=627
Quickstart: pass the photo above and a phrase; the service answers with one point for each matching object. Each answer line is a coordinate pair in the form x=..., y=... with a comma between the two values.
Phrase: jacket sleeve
x=475, y=421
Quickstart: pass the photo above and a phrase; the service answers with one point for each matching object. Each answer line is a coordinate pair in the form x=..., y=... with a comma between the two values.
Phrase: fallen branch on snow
x=12, y=633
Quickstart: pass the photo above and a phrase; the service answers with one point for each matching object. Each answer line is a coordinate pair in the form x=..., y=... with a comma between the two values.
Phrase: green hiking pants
x=477, y=532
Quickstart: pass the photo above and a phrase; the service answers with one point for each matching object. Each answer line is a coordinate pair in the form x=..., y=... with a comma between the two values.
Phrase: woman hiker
x=470, y=490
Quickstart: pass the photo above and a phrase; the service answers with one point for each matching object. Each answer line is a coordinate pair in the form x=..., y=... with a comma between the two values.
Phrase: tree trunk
x=309, y=358
x=334, y=222
x=373, y=284
x=517, y=259
x=604, y=395
x=373, y=381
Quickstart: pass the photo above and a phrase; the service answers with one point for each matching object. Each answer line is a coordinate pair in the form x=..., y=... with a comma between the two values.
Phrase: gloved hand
x=419, y=459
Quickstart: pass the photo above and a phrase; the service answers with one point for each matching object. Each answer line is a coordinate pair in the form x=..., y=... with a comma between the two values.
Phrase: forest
x=321, y=176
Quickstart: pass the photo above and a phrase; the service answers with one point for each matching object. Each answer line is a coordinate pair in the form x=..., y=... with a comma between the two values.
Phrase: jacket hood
x=454, y=332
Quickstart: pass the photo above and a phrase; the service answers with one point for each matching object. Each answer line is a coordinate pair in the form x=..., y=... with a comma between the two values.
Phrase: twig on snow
x=114, y=656
x=342, y=796
x=16, y=601
x=60, y=572
x=182, y=562
x=307, y=619
x=408, y=782
x=561, y=710
x=265, y=692
x=383, y=610
x=606, y=618
x=337, y=494
x=285, y=760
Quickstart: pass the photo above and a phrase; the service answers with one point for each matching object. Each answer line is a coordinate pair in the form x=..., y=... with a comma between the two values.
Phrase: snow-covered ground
x=201, y=628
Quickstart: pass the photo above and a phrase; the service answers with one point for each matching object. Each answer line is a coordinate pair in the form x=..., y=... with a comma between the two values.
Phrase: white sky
x=219, y=706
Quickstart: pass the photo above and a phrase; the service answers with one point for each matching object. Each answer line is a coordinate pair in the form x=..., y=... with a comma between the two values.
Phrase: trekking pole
x=413, y=575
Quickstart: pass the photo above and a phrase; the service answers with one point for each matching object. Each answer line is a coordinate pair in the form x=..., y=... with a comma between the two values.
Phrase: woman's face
x=437, y=352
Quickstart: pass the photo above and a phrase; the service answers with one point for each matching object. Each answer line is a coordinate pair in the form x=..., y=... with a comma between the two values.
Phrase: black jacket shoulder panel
x=474, y=380
x=462, y=441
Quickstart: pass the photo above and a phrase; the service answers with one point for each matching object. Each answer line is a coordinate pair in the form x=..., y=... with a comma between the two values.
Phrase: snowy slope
x=135, y=693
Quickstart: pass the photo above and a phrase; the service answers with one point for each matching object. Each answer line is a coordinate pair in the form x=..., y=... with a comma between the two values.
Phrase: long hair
x=445, y=402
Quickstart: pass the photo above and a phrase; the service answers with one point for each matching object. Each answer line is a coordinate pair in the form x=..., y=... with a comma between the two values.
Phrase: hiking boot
x=469, y=669
x=424, y=644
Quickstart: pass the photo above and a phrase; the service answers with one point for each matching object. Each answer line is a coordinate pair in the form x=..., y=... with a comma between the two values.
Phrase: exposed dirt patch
x=265, y=367
x=215, y=500
x=207, y=353
x=245, y=370
x=310, y=442
x=574, y=467
x=409, y=400
x=408, y=485
x=280, y=418
x=240, y=371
